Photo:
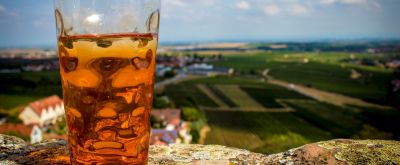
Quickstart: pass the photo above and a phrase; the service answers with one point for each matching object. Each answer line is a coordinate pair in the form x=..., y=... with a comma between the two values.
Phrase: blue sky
x=31, y=22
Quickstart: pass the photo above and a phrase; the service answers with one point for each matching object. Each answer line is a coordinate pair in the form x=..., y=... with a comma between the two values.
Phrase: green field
x=12, y=101
x=271, y=132
x=239, y=97
x=276, y=131
x=188, y=95
x=307, y=120
x=323, y=71
x=339, y=121
x=267, y=94
x=221, y=94
x=258, y=131
x=17, y=89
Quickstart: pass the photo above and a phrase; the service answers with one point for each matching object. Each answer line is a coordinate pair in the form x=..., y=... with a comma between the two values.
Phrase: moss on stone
x=364, y=151
x=14, y=150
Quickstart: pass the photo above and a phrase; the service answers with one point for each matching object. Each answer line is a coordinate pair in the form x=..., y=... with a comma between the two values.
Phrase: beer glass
x=106, y=52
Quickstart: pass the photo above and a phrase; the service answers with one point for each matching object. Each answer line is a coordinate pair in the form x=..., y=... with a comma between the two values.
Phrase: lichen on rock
x=341, y=151
x=364, y=151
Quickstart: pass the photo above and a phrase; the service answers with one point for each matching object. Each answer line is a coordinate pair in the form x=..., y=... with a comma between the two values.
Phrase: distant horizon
x=250, y=41
x=27, y=23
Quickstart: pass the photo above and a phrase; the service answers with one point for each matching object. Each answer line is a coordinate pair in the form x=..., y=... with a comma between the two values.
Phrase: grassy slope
x=339, y=121
x=267, y=94
x=323, y=72
x=223, y=96
x=238, y=96
x=273, y=132
x=20, y=88
x=334, y=78
x=266, y=132
x=278, y=131
x=8, y=101
x=188, y=94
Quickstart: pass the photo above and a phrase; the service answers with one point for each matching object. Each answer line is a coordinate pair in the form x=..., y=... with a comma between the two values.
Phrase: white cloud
x=175, y=2
x=272, y=9
x=350, y=2
x=5, y=11
x=208, y=2
x=353, y=1
x=2, y=9
x=299, y=9
x=243, y=5
x=328, y=2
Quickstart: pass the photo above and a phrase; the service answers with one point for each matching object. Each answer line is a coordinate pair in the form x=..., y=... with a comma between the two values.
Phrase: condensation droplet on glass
x=153, y=22
x=59, y=22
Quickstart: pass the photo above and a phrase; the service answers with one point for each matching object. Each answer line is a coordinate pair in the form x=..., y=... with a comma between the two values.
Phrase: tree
x=169, y=74
x=191, y=114
x=14, y=119
x=195, y=135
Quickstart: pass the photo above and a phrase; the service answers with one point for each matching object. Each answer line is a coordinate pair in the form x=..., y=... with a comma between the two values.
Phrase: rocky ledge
x=341, y=151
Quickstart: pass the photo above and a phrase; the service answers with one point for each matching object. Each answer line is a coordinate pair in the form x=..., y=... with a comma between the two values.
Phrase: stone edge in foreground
x=341, y=151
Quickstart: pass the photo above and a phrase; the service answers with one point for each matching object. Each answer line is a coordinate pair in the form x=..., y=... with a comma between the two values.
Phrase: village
x=42, y=119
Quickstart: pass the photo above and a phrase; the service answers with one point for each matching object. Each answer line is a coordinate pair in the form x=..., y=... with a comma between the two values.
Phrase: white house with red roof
x=43, y=112
x=32, y=131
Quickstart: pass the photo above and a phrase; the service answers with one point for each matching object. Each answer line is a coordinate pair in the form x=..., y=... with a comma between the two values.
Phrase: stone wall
x=342, y=151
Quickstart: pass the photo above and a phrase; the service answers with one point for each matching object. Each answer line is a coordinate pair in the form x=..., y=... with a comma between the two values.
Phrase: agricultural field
x=266, y=132
x=17, y=89
x=284, y=118
x=267, y=95
x=320, y=70
x=239, y=97
x=185, y=94
x=310, y=120
x=8, y=101
x=212, y=95
x=270, y=132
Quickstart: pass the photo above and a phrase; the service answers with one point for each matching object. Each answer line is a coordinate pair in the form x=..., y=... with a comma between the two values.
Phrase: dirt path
x=203, y=133
x=324, y=96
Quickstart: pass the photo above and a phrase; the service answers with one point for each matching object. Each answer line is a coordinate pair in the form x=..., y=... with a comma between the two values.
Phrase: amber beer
x=108, y=84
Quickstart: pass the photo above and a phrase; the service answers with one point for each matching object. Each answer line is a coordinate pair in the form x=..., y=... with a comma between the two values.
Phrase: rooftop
x=171, y=116
x=22, y=129
x=39, y=105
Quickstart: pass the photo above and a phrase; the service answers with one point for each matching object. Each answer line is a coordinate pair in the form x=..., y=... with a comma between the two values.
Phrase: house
x=171, y=117
x=44, y=112
x=216, y=71
x=161, y=69
x=176, y=130
x=31, y=132
x=164, y=137
x=209, y=70
x=184, y=133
